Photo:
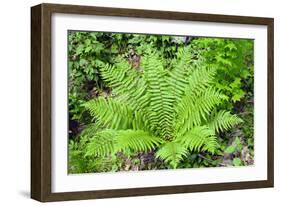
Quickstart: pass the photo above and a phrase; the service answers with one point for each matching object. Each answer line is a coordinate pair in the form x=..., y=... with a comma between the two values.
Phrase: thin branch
x=209, y=160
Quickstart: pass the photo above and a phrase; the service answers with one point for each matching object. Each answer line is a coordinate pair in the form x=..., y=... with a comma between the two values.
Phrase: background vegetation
x=88, y=51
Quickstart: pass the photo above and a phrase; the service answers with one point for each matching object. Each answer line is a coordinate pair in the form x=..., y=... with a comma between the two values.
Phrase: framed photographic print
x=130, y=102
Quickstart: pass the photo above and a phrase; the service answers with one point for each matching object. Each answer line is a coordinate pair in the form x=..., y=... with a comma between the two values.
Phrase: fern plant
x=172, y=111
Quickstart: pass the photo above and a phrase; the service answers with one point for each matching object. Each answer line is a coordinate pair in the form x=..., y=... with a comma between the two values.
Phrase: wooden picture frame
x=41, y=95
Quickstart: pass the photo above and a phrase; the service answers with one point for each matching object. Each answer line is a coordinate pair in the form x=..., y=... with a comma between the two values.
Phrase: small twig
x=209, y=160
x=245, y=113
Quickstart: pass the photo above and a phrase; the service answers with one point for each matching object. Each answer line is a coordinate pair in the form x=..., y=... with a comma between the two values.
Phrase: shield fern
x=169, y=110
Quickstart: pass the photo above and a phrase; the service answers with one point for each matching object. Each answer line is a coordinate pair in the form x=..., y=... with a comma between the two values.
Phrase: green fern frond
x=172, y=153
x=136, y=140
x=140, y=122
x=160, y=110
x=102, y=144
x=200, y=79
x=223, y=120
x=210, y=98
x=192, y=111
x=118, y=74
x=126, y=83
x=181, y=68
x=110, y=113
x=107, y=142
x=199, y=138
x=90, y=130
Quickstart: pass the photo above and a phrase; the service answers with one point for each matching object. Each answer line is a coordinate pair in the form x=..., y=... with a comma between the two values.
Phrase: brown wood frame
x=41, y=101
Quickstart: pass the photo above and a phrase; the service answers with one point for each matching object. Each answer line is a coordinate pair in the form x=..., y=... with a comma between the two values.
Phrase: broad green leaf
x=230, y=149
x=237, y=161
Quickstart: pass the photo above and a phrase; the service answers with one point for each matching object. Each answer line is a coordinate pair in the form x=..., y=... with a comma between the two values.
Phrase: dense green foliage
x=234, y=59
x=153, y=102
